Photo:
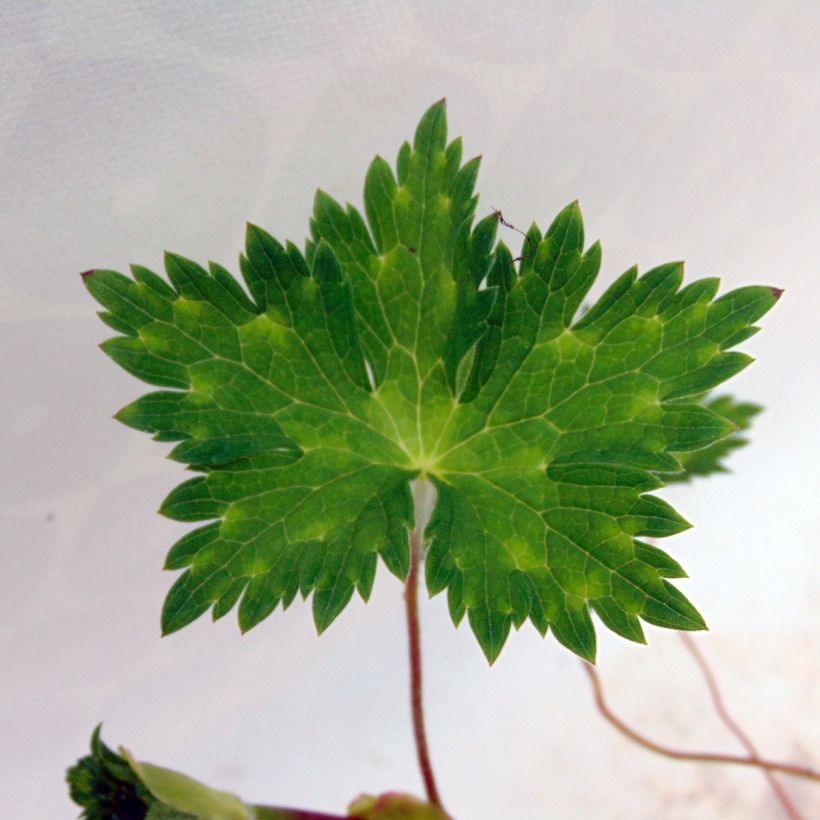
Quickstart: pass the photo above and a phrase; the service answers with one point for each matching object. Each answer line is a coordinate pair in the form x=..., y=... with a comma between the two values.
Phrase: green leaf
x=410, y=346
x=181, y=796
x=105, y=786
x=710, y=460
x=112, y=786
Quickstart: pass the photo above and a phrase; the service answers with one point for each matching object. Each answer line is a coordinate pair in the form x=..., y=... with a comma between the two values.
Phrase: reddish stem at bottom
x=282, y=813
x=414, y=645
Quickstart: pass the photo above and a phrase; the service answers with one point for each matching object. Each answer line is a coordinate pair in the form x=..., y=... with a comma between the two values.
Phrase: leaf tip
x=777, y=293
x=569, y=213
x=572, y=210
x=321, y=624
x=167, y=627
x=492, y=650
x=87, y=273
x=252, y=232
x=588, y=651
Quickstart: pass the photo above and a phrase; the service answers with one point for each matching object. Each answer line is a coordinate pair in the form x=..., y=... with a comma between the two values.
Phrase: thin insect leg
x=500, y=217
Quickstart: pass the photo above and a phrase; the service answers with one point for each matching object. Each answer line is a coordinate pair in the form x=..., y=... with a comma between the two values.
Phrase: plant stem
x=677, y=754
x=277, y=813
x=414, y=644
x=732, y=725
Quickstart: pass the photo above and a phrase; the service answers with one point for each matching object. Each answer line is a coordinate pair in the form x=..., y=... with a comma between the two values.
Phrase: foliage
x=111, y=786
x=412, y=347
x=710, y=460
x=107, y=788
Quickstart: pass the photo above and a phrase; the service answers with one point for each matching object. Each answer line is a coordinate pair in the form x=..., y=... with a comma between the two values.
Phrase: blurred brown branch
x=702, y=757
x=732, y=725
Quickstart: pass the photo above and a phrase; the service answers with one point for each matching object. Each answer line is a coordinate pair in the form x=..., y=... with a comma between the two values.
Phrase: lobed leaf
x=409, y=345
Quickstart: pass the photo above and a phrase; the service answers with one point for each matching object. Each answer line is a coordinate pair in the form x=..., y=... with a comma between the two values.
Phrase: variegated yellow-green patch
x=409, y=345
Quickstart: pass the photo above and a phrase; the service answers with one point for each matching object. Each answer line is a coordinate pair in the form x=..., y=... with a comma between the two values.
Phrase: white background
x=687, y=130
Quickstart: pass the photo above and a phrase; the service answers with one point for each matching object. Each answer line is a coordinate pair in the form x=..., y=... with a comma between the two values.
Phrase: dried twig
x=701, y=757
x=734, y=727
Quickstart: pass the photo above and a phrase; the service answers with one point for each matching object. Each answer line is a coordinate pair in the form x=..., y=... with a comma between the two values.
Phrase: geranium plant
x=403, y=391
